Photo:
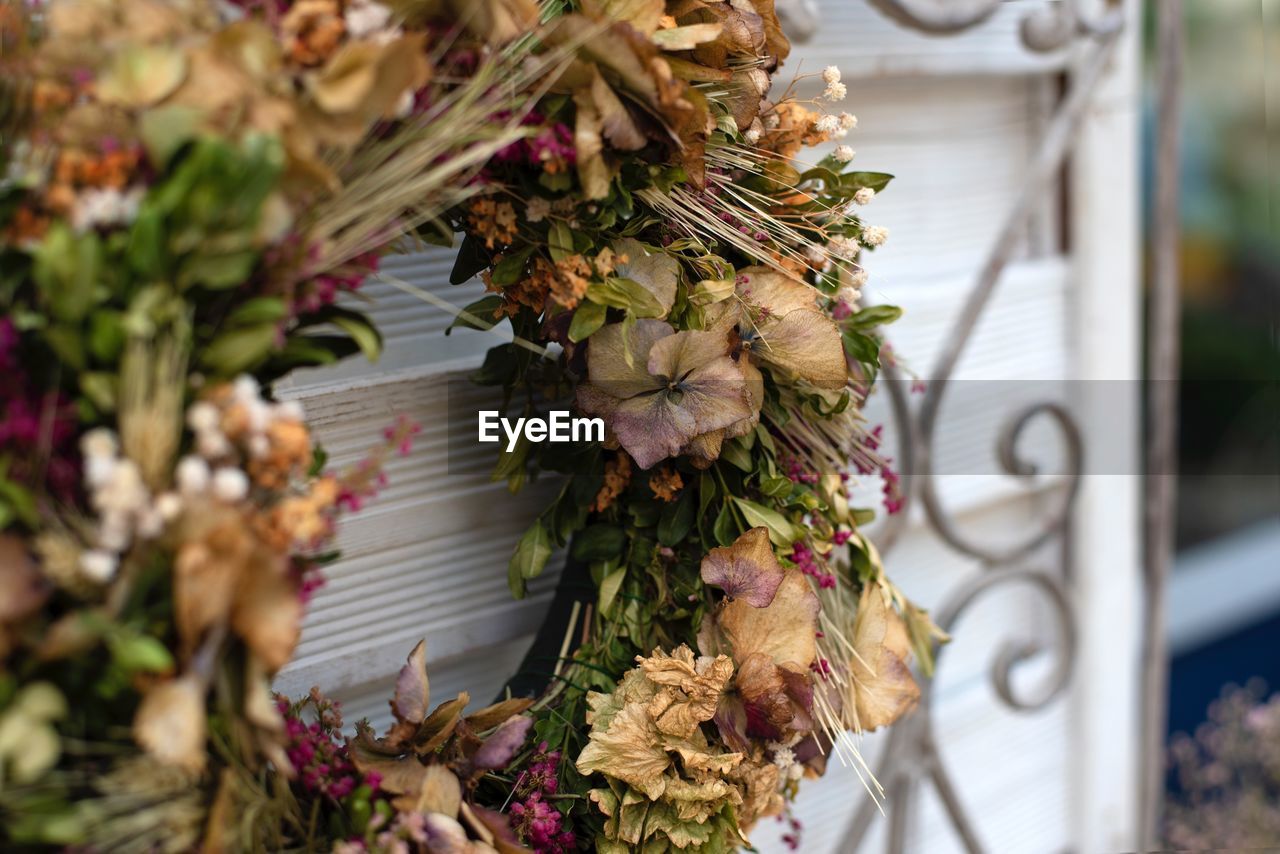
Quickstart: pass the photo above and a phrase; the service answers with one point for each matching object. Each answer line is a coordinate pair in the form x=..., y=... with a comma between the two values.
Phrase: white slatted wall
x=956, y=120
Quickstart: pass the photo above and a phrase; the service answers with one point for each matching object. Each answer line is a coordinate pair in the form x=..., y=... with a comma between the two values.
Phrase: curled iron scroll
x=1046, y=28
x=912, y=754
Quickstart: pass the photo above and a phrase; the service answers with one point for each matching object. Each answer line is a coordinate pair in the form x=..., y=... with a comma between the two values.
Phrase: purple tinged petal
x=498, y=749
x=747, y=569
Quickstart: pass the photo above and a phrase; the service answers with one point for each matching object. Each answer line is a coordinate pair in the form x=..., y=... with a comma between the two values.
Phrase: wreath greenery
x=190, y=188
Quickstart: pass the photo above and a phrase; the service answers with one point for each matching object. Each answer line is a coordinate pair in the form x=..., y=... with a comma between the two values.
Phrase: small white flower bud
x=831, y=74
x=212, y=444
x=245, y=389
x=875, y=235
x=98, y=565
x=864, y=196
x=169, y=506
x=98, y=470
x=150, y=524
x=203, y=417
x=230, y=485
x=843, y=153
x=99, y=442
x=259, y=445
x=192, y=476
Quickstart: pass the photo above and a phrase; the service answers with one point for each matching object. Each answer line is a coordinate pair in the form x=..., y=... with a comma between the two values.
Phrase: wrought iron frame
x=911, y=757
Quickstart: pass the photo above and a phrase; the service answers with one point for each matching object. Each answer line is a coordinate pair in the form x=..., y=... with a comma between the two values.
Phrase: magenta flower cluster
x=796, y=472
x=791, y=839
x=323, y=290
x=807, y=560
x=37, y=430
x=317, y=753
x=537, y=821
x=893, y=499
x=552, y=144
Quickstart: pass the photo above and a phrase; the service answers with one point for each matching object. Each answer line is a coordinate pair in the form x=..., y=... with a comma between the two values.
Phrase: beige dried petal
x=691, y=689
x=881, y=682
x=785, y=631
x=629, y=750
x=773, y=293
x=268, y=611
x=806, y=344
x=170, y=723
x=440, y=792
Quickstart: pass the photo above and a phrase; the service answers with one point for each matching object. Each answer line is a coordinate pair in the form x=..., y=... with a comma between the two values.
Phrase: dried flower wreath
x=189, y=190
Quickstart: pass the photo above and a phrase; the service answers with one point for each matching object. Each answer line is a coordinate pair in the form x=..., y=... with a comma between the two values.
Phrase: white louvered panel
x=1021, y=810
x=428, y=557
x=867, y=44
x=959, y=149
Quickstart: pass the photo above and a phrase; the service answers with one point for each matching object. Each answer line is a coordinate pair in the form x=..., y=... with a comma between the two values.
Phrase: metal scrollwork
x=911, y=756
x=1044, y=29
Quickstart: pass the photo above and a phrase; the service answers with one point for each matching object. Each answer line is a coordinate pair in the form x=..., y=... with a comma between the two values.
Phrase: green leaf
x=781, y=531
x=530, y=557
x=862, y=347
x=361, y=330
x=609, y=588
x=100, y=388
x=164, y=130
x=857, y=180
x=511, y=464
x=482, y=310
x=309, y=350
x=726, y=528
x=106, y=335
x=560, y=241
x=736, y=453
x=676, y=520
x=863, y=516
x=499, y=368
x=626, y=294
x=510, y=269
x=238, y=350
x=777, y=487
x=259, y=310
x=67, y=344
x=874, y=315
x=17, y=502
x=139, y=653
x=599, y=542
x=66, y=271
x=219, y=272
x=707, y=492
x=588, y=317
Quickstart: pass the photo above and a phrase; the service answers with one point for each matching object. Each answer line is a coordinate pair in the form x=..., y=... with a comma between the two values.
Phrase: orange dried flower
x=27, y=226
x=617, y=475
x=570, y=281
x=289, y=453
x=313, y=30
x=666, y=483
x=494, y=221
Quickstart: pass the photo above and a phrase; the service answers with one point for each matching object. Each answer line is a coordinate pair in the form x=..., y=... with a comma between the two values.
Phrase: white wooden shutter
x=956, y=119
